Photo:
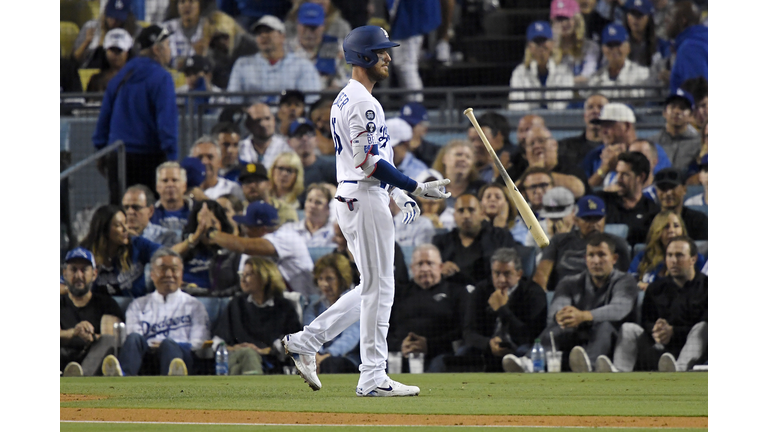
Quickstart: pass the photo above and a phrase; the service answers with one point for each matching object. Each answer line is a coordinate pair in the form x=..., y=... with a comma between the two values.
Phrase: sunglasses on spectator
x=115, y=50
x=538, y=186
x=288, y=170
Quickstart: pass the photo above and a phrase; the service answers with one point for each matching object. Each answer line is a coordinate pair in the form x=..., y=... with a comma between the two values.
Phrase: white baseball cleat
x=305, y=365
x=579, y=361
x=393, y=388
x=604, y=364
x=73, y=369
x=111, y=366
x=667, y=363
x=514, y=364
x=177, y=368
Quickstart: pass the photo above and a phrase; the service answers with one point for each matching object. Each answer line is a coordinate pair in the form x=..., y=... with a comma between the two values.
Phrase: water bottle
x=222, y=360
x=537, y=356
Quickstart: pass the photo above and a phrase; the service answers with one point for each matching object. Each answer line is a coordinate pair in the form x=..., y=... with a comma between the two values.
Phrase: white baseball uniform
x=364, y=218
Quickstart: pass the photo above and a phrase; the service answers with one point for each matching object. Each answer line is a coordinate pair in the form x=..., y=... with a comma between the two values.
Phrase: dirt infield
x=275, y=417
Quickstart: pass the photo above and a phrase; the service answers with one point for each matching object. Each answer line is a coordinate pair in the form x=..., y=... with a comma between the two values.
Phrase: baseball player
x=367, y=177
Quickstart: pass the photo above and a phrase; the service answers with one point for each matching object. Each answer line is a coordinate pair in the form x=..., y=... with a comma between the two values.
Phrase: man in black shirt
x=674, y=319
x=573, y=150
x=670, y=189
x=628, y=205
x=428, y=313
x=504, y=313
x=466, y=250
x=85, y=318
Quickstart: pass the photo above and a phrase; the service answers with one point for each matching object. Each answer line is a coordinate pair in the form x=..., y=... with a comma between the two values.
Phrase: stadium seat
x=317, y=252
x=213, y=307
x=693, y=190
x=298, y=301
x=620, y=230
x=85, y=76
x=700, y=208
x=123, y=302
x=639, y=247
x=702, y=246
x=67, y=34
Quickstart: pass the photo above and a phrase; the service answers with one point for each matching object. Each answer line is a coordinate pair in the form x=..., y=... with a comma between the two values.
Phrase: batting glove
x=433, y=190
x=407, y=206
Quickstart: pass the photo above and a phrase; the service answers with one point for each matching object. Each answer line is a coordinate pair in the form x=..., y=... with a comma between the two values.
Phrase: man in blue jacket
x=690, y=40
x=139, y=108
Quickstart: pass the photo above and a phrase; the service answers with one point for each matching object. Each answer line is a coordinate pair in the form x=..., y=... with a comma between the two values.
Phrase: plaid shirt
x=255, y=73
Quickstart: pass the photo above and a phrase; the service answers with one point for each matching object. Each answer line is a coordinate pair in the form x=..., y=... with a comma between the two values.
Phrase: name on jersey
x=165, y=326
x=341, y=100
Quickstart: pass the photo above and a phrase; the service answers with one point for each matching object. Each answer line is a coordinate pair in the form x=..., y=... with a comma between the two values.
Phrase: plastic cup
x=554, y=361
x=395, y=362
x=416, y=362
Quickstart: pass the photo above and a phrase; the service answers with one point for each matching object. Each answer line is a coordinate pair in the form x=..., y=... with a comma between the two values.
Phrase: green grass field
x=633, y=394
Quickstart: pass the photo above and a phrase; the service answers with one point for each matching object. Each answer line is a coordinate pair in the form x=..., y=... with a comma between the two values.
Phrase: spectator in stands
x=587, y=310
x=117, y=48
x=190, y=33
x=436, y=211
x=195, y=170
x=209, y=270
x=628, y=205
x=247, y=12
x=120, y=258
x=496, y=130
x=232, y=206
x=416, y=115
x=648, y=264
x=572, y=45
x=428, y=312
x=571, y=151
x=173, y=210
x=594, y=23
x=291, y=107
x=466, y=250
x=455, y=161
x=565, y=254
x=116, y=14
x=265, y=239
x=661, y=8
x=400, y=133
x=316, y=229
x=229, y=41
x=496, y=206
x=701, y=199
x=671, y=191
x=534, y=183
x=139, y=206
x=207, y=150
x=302, y=138
x=170, y=321
x=672, y=335
x=541, y=151
x=691, y=44
x=410, y=22
x=333, y=276
x=679, y=139
x=255, y=182
x=649, y=151
x=524, y=125
x=323, y=50
x=262, y=145
x=334, y=24
x=139, y=108
x=617, y=130
x=227, y=136
x=258, y=318
x=417, y=232
x=198, y=73
x=320, y=114
x=272, y=69
x=85, y=318
x=557, y=215
x=539, y=71
x=645, y=48
x=286, y=179
x=699, y=89
x=505, y=313
x=618, y=71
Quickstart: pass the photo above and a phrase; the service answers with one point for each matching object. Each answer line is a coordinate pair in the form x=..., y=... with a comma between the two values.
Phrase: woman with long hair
x=116, y=14
x=333, y=276
x=572, y=46
x=120, y=257
x=645, y=48
x=650, y=263
x=255, y=320
x=209, y=270
x=497, y=206
x=286, y=179
x=456, y=161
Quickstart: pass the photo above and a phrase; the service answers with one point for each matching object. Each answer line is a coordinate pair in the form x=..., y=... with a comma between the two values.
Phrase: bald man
x=262, y=145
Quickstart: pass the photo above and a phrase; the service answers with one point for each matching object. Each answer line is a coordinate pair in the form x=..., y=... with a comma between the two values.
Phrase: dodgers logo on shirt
x=370, y=115
x=370, y=127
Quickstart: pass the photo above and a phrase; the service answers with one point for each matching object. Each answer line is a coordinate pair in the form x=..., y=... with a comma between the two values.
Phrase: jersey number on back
x=336, y=139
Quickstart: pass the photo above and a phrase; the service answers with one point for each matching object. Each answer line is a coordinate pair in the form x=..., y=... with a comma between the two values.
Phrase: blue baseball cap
x=300, y=124
x=195, y=171
x=311, y=14
x=414, y=113
x=258, y=213
x=538, y=29
x=80, y=253
x=590, y=205
x=643, y=6
x=118, y=9
x=682, y=95
x=614, y=33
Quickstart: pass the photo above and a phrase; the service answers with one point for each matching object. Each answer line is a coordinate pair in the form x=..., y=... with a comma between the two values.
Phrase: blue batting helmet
x=360, y=44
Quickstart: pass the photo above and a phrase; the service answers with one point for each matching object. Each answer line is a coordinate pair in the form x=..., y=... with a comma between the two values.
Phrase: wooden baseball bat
x=522, y=206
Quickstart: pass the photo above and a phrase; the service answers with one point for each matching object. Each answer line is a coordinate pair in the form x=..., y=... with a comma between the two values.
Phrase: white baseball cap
x=399, y=131
x=118, y=38
x=270, y=21
x=615, y=112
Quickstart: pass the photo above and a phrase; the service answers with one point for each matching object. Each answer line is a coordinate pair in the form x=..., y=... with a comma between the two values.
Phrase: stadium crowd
x=244, y=221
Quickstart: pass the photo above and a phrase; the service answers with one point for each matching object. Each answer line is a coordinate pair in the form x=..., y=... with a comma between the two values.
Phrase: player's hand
x=433, y=190
x=408, y=206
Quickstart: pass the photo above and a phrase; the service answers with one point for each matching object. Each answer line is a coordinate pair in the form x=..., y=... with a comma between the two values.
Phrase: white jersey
x=357, y=115
x=179, y=316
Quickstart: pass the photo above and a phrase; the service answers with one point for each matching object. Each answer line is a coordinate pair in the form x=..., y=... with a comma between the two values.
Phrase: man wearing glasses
x=139, y=108
x=138, y=204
